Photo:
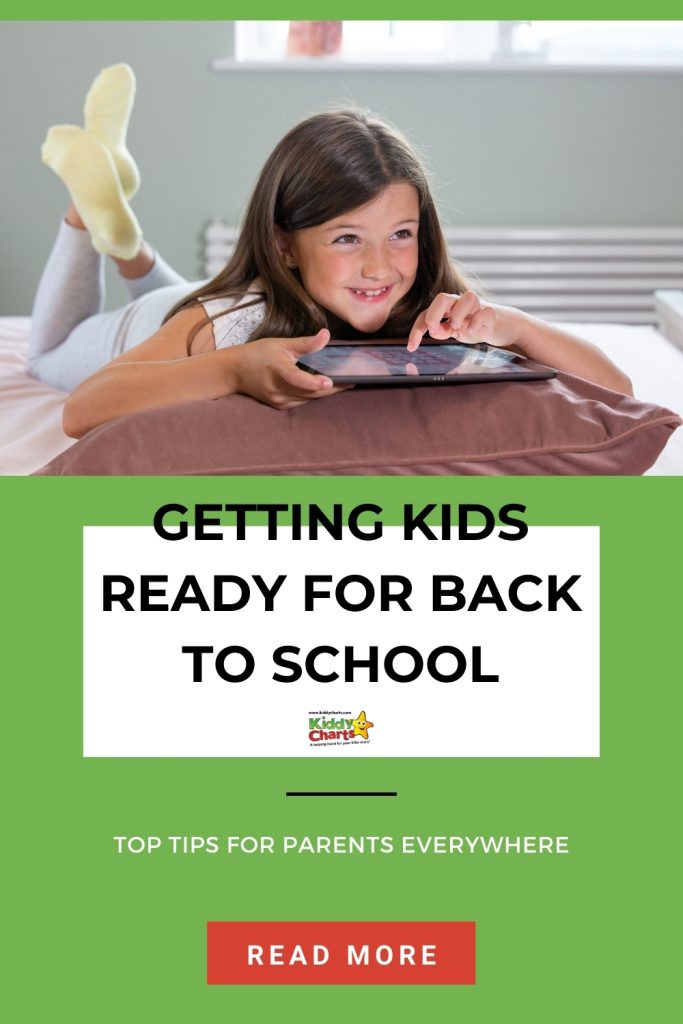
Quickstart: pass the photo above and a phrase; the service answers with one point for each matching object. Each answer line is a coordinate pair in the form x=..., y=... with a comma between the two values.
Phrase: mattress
x=31, y=412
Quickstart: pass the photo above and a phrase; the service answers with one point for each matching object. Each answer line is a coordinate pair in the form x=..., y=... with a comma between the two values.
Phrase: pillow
x=550, y=427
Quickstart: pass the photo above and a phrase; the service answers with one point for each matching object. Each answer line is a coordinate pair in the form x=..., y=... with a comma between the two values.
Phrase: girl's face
x=360, y=264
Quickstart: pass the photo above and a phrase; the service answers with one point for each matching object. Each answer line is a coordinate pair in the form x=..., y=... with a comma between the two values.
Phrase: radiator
x=574, y=274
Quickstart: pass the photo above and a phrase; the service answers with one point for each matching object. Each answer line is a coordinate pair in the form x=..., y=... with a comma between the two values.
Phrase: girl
x=340, y=237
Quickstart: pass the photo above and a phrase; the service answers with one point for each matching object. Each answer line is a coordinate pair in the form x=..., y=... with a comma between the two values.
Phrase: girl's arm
x=159, y=372
x=548, y=344
x=463, y=318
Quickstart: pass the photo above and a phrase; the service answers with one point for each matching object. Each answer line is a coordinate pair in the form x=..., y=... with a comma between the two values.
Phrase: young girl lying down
x=341, y=238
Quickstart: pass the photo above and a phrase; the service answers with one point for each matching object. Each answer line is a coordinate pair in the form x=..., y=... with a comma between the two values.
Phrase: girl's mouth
x=371, y=294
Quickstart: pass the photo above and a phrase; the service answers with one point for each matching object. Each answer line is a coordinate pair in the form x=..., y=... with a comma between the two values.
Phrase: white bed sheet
x=655, y=366
x=31, y=413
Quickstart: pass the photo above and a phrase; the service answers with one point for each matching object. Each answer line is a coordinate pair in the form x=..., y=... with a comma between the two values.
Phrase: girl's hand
x=463, y=318
x=267, y=371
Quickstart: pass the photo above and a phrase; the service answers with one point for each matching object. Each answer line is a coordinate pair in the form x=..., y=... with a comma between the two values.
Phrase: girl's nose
x=375, y=263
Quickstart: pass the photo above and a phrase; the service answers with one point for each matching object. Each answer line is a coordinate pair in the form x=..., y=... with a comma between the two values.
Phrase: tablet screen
x=446, y=360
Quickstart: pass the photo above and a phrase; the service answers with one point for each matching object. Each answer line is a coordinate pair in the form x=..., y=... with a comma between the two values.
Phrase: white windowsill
x=229, y=65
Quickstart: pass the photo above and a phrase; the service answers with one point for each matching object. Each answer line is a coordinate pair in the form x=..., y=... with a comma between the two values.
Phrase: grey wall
x=505, y=149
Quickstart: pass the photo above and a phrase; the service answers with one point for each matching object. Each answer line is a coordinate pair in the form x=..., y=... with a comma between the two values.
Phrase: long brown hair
x=327, y=165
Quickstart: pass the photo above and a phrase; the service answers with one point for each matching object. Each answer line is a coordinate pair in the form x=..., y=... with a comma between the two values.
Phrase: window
x=603, y=42
x=466, y=43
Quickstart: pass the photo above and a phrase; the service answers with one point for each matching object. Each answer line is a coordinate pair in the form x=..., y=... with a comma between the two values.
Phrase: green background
x=561, y=9
x=97, y=937
x=101, y=937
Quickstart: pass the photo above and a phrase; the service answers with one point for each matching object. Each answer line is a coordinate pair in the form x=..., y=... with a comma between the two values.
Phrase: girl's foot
x=88, y=170
x=107, y=112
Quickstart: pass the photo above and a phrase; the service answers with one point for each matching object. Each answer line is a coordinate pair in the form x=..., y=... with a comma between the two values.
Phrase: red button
x=340, y=953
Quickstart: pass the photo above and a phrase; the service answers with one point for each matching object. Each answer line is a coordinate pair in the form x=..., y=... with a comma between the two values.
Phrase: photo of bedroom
x=196, y=212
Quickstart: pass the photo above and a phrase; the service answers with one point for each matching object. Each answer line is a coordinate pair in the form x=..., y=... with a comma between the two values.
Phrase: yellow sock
x=87, y=169
x=107, y=112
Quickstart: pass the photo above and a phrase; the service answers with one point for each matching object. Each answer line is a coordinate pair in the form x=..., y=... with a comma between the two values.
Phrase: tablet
x=436, y=363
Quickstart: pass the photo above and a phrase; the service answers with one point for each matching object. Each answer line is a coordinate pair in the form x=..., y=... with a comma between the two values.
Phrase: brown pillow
x=550, y=427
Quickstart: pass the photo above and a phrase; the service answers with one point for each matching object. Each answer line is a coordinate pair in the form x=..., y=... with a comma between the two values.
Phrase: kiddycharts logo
x=336, y=728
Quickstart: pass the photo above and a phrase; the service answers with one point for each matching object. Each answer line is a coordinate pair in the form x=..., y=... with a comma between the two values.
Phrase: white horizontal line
x=327, y=65
x=595, y=316
x=527, y=301
x=566, y=234
x=581, y=284
x=571, y=251
x=566, y=268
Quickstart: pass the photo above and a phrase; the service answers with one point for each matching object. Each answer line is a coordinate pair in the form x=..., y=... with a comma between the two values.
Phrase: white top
x=234, y=328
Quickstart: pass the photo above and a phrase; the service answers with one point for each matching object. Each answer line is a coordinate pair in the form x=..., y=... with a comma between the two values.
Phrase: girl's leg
x=96, y=341
x=71, y=337
x=144, y=273
x=147, y=272
x=71, y=290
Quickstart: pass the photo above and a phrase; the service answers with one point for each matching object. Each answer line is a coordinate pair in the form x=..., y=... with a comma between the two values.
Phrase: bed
x=30, y=412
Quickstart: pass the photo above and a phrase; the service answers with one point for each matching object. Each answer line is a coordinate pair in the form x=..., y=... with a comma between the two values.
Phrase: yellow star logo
x=361, y=726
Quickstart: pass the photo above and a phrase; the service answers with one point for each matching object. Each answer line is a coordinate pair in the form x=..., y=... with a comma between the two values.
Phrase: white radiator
x=575, y=274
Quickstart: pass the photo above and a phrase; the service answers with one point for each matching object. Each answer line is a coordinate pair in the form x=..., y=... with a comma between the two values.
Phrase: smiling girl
x=340, y=238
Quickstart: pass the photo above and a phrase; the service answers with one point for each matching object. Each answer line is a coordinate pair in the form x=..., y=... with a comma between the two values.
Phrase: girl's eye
x=403, y=233
x=346, y=239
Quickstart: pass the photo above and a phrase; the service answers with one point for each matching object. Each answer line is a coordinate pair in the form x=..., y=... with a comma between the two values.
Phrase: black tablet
x=435, y=363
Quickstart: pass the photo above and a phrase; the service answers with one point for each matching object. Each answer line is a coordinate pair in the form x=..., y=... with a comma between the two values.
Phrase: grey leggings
x=71, y=337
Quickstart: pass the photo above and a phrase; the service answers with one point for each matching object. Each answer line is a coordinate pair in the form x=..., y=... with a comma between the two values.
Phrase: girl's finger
x=301, y=382
x=439, y=310
x=448, y=316
x=312, y=343
x=417, y=332
x=481, y=324
x=466, y=306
